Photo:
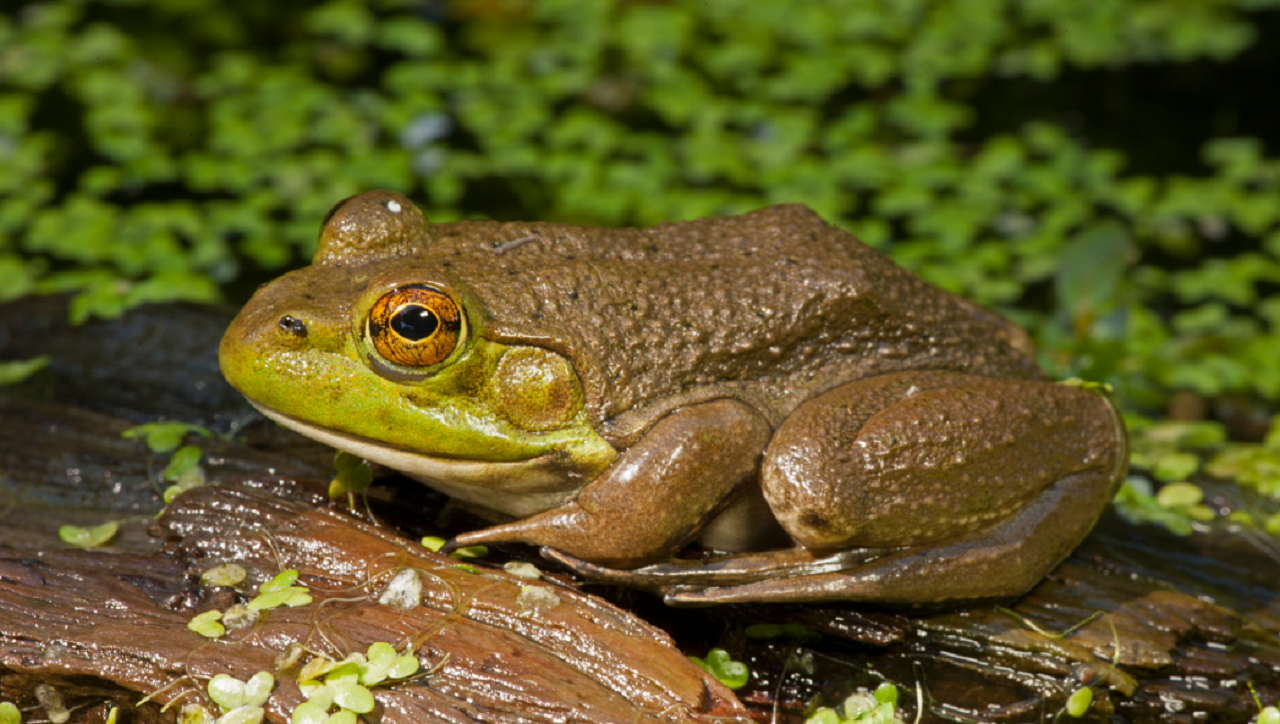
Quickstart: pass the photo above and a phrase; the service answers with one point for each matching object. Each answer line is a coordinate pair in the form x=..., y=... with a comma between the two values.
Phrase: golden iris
x=415, y=326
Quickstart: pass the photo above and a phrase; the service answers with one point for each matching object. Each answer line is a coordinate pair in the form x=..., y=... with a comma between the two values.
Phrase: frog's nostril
x=296, y=327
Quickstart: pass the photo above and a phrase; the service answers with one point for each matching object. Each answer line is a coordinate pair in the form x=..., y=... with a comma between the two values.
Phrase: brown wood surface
x=122, y=619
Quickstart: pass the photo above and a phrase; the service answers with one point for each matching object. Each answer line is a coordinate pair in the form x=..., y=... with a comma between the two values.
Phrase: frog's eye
x=415, y=326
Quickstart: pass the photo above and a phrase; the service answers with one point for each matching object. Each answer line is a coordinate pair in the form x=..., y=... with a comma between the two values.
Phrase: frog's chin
x=517, y=488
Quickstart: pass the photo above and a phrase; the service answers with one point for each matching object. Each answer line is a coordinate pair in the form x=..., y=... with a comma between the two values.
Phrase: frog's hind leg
x=990, y=565
x=985, y=566
x=974, y=488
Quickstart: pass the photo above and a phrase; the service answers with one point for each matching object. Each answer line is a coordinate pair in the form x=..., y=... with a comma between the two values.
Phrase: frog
x=740, y=408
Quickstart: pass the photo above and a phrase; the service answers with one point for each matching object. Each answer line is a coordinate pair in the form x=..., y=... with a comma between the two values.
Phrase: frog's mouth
x=517, y=488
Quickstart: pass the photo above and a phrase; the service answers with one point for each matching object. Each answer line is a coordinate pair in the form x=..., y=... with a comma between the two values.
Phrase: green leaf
x=163, y=437
x=354, y=697
x=187, y=480
x=1176, y=466
x=18, y=370
x=9, y=713
x=186, y=459
x=17, y=277
x=243, y=715
x=1238, y=157
x=413, y=36
x=314, y=669
x=310, y=712
x=470, y=552
x=233, y=694
x=1184, y=497
x=293, y=597
x=349, y=21
x=380, y=659
x=1079, y=701
x=1090, y=270
x=353, y=475
x=280, y=591
x=823, y=715
x=404, y=667
x=258, y=688
x=1135, y=502
x=1234, y=280
x=227, y=691
x=380, y=651
x=88, y=537
x=1252, y=465
x=1204, y=433
x=732, y=674
x=881, y=714
x=207, y=624
x=280, y=582
x=1272, y=439
x=347, y=671
x=763, y=631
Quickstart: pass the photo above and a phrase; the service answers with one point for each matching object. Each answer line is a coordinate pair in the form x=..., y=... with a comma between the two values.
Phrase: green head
x=372, y=350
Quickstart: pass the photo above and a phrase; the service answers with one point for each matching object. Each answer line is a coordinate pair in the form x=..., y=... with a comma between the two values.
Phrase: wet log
x=496, y=652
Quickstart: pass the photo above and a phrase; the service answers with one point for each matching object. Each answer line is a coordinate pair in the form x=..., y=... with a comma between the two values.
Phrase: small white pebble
x=393, y=207
x=225, y=574
x=194, y=714
x=54, y=652
x=51, y=700
x=533, y=600
x=520, y=569
x=860, y=702
x=804, y=662
x=290, y=657
x=403, y=591
x=239, y=617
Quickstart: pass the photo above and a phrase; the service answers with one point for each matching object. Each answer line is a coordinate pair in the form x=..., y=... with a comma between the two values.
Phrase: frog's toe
x=801, y=589
x=586, y=569
x=720, y=573
x=658, y=577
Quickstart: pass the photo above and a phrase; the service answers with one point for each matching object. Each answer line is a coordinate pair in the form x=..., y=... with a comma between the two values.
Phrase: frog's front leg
x=657, y=496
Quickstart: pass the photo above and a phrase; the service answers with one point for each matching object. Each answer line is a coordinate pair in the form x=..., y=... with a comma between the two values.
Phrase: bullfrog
x=813, y=421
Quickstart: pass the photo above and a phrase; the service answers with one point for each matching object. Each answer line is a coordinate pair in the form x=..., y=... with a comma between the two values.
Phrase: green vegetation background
x=1103, y=171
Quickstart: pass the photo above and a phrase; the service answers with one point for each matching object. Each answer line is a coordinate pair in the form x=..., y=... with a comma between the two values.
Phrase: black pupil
x=415, y=322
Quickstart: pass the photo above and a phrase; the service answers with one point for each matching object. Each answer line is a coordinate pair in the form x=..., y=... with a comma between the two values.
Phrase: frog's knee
x=812, y=475
x=930, y=465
